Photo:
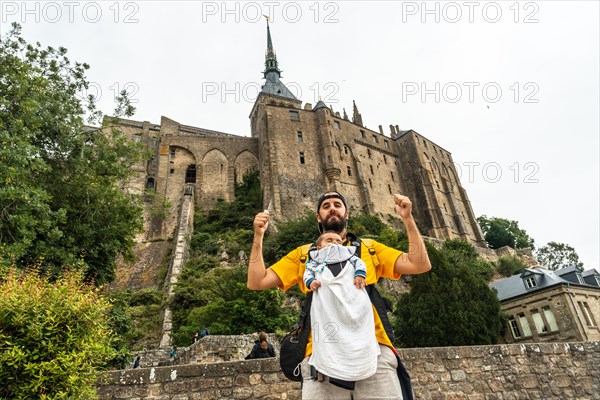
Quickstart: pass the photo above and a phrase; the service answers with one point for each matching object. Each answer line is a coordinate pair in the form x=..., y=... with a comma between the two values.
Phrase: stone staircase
x=184, y=231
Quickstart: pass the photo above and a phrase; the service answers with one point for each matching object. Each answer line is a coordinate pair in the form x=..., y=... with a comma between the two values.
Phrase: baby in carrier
x=332, y=254
x=344, y=347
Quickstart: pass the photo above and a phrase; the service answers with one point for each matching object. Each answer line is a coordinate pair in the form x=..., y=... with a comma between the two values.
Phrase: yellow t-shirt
x=381, y=265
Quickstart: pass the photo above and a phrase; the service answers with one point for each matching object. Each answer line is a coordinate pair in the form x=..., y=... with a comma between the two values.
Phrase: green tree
x=500, y=232
x=54, y=337
x=452, y=304
x=222, y=302
x=557, y=255
x=60, y=200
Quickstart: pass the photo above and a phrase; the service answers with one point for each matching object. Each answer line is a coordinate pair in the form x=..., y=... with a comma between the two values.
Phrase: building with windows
x=551, y=306
x=301, y=151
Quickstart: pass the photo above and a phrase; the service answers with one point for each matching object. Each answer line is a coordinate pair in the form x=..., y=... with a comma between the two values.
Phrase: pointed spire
x=272, y=73
x=345, y=115
x=356, y=117
x=271, y=64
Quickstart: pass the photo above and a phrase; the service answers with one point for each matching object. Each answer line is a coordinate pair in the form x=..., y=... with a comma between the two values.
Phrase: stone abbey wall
x=526, y=371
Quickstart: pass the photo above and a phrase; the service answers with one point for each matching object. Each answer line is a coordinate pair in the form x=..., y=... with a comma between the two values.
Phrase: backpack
x=293, y=345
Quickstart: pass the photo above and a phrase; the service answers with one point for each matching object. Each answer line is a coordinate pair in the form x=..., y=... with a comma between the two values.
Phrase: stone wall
x=527, y=371
x=209, y=349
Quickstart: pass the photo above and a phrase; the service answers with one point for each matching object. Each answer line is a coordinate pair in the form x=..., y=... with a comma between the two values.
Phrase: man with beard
x=382, y=262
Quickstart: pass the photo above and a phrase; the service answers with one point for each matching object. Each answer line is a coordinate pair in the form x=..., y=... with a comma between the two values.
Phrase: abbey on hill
x=300, y=152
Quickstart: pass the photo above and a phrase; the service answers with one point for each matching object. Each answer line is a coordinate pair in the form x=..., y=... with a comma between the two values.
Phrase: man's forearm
x=256, y=264
x=417, y=252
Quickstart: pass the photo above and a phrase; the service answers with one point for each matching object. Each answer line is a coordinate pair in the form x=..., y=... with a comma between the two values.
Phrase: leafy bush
x=227, y=307
x=54, y=337
x=364, y=224
x=510, y=265
x=145, y=296
x=204, y=242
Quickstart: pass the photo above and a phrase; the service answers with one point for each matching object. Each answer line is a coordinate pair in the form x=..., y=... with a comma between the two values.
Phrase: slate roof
x=589, y=276
x=275, y=87
x=319, y=104
x=514, y=286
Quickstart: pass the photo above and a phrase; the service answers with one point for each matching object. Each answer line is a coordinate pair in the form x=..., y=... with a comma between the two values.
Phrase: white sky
x=517, y=83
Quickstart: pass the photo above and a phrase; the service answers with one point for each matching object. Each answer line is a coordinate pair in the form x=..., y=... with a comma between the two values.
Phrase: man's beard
x=337, y=225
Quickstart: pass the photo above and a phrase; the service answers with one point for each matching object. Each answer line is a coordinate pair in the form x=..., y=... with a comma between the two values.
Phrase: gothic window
x=362, y=134
x=172, y=153
x=349, y=170
x=375, y=140
x=294, y=116
x=345, y=149
x=300, y=139
x=369, y=153
x=336, y=124
x=301, y=157
x=386, y=144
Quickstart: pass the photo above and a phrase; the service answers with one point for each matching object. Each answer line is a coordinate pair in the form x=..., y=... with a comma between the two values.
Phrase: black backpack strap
x=304, y=326
x=381, y=306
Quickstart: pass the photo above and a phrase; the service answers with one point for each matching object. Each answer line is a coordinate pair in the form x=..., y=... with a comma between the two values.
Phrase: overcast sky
x=511, y=89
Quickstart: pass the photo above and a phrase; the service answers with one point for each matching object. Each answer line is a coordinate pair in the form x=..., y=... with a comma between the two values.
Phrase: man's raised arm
x=416, y=261
x=259, y=277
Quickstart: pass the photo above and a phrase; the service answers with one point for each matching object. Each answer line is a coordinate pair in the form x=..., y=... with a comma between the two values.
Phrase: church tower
x=305, y=151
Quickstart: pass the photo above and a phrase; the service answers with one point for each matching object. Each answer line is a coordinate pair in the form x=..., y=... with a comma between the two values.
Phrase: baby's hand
x=314, y=285
x=359, y=282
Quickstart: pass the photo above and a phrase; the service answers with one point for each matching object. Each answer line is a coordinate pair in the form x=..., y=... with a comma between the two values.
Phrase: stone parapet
x=517, y=371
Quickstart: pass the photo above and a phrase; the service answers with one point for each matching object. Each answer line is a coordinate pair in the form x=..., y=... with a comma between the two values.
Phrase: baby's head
x=328, y=238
